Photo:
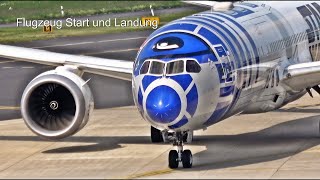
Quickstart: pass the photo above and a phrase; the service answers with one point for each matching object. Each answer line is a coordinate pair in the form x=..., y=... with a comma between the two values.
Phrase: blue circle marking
x=163, y=104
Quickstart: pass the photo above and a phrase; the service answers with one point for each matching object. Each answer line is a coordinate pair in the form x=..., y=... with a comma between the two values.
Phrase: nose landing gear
x=183, y=156
x=178, y=139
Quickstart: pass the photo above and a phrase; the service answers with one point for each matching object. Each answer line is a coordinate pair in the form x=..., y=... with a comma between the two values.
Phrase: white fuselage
x=201, y=69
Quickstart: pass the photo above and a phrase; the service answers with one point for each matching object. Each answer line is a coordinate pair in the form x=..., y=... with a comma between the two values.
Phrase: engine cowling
x=56, y=104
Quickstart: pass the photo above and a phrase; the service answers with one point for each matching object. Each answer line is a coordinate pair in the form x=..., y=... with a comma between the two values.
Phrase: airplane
x=239, y=57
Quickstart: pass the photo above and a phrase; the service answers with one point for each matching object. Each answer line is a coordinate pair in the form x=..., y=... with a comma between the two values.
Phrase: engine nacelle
x=56, y=104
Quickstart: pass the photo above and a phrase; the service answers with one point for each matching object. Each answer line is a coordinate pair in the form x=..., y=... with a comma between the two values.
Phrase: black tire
x=186, y=159
x=156, y=135
x=173, y=159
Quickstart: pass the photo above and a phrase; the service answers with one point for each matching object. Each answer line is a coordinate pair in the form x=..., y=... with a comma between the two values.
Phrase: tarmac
x=116, y=144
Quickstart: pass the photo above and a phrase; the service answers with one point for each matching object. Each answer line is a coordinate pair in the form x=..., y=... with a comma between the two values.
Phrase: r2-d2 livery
x=247, y=57
x=201, y=69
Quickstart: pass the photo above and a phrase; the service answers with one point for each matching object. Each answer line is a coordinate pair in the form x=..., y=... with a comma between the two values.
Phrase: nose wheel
x=180, y=155
x=186, y=159
x=173, y=159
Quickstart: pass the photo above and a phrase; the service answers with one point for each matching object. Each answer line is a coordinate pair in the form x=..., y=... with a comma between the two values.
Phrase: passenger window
x=193, y=66
x=156, y=68
x=145, y=67
x=175, y=67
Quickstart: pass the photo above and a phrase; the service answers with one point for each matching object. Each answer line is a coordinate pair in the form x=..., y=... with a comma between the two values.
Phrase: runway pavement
x=108, y=92
x=116, y=144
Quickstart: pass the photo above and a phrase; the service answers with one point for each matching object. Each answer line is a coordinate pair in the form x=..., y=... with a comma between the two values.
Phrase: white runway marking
x=62, y=45
x=11, y=61
x=27, y=67
x=89, y=42
x=126, y=39
x=9, y=108
x=111, y=51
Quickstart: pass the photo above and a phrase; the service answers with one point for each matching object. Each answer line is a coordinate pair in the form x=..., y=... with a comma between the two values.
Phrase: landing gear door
x=226, y=65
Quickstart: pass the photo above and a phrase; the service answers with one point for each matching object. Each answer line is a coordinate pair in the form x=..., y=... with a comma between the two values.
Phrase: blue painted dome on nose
x=163, y=104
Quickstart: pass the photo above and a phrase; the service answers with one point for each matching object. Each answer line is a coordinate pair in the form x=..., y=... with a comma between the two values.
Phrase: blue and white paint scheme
x=243, y=54
x=242, y=57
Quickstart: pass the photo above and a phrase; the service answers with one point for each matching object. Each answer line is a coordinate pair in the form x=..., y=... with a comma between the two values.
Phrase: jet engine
x=56, y=104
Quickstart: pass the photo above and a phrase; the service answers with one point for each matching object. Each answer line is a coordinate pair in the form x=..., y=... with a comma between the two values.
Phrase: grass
x=10, y=10
x=22, y=34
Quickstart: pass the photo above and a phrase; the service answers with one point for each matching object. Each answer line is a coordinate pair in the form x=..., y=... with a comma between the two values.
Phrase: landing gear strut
x=158, y=136
x=183, y=156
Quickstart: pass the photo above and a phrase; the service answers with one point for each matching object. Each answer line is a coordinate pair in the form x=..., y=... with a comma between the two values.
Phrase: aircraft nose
x=163, y=104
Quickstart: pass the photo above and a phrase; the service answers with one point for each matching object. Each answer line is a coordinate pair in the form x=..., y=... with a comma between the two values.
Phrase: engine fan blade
x=309, y=92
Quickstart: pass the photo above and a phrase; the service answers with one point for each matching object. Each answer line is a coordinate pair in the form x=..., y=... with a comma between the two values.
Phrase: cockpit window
x=193, y=66
x=145, y=67
x=175, y=67
x=156, y=67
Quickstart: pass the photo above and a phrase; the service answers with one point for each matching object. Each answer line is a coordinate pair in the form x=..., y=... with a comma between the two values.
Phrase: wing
x=215, y=5
x=301, y=76
x=108, y=67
